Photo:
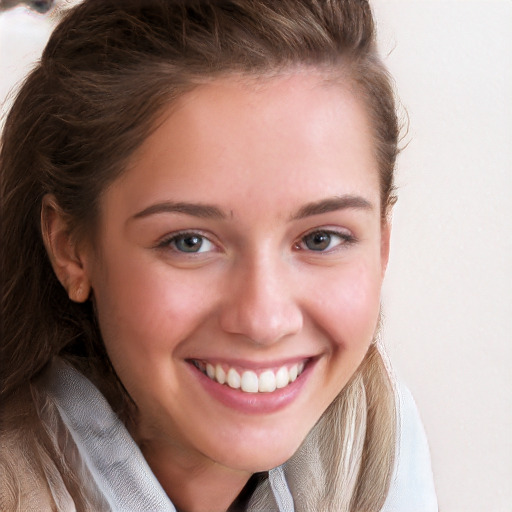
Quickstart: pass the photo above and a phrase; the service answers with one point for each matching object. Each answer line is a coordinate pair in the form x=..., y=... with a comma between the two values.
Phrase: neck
x=194, y=484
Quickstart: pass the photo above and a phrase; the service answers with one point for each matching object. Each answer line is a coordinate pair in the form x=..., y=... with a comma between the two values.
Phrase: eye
x=192, y=243
x=324, y=240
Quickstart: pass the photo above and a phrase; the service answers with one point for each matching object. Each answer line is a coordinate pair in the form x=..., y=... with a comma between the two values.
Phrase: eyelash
x=346, y=238
x=170, y=241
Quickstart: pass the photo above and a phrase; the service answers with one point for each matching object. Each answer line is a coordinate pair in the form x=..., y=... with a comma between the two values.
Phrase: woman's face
x=242, y=247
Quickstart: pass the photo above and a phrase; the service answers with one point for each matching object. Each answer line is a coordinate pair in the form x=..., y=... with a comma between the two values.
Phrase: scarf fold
x=106, y=459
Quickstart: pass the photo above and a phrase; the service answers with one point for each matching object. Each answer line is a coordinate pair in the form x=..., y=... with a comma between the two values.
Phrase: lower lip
x=254, y=403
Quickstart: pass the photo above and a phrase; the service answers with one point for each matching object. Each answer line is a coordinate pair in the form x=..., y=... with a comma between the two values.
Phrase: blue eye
x=323, y=240
x=192, y=243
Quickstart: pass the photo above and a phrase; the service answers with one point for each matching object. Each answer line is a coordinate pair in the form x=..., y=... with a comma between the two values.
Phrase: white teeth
x=282, y=377
x=210, y=371
x=267, y=382
x=249, y=382
x=220, y=374
x=233, y=379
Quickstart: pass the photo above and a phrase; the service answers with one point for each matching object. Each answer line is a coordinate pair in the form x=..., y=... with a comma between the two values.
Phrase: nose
x=260, y=303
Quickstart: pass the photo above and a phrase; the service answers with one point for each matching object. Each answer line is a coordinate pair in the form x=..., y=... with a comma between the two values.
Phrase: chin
x=261, y=452
x=256, y=462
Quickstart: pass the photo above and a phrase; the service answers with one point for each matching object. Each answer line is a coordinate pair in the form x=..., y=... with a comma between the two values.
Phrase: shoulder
x=412, y=487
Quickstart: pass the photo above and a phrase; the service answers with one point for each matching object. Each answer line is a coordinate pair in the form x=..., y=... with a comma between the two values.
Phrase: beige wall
x=448, y=295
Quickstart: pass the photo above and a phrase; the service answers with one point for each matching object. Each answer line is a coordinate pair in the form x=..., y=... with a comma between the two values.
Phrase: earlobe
x=62, y=249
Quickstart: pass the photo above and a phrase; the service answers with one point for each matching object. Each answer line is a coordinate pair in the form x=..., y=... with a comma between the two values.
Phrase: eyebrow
x=204, y=211
x=332, y=204
x=207, y=211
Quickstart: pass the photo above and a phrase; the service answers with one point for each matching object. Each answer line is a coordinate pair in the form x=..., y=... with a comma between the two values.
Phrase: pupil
x=318, y=241
x=189, y=243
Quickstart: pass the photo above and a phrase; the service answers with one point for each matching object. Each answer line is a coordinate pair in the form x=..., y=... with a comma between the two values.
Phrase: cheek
x=350, y=304
x=144, y=319
x=143, y=310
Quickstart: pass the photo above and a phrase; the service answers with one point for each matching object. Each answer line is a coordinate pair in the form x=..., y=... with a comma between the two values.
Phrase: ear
x=385, y=237
x=63, y=251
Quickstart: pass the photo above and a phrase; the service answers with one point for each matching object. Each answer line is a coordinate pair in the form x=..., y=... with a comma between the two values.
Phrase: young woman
x=195, y=203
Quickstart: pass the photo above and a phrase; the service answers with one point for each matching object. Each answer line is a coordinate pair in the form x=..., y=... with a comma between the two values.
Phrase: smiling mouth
x=249, y=381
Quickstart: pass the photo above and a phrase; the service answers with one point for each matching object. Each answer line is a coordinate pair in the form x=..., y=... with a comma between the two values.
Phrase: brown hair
x=108, y=70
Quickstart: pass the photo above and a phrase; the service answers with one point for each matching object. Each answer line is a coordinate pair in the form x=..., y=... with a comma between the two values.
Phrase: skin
x=256, y=292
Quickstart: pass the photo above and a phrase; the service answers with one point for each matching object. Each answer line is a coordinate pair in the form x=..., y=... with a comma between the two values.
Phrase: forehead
x=283, y=136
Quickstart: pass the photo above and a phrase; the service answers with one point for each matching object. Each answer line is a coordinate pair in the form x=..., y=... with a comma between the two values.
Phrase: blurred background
x=448, y=293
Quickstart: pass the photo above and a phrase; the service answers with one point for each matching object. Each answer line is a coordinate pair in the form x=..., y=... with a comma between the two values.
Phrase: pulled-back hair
x=108, y=71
